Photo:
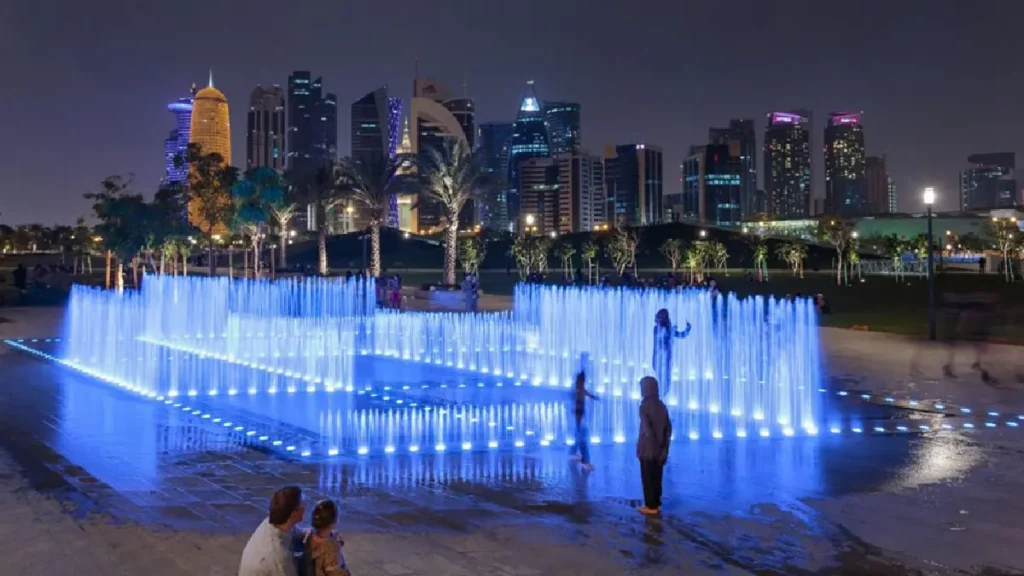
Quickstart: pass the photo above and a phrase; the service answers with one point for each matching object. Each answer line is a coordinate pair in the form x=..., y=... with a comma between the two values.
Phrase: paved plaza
x=144, y=491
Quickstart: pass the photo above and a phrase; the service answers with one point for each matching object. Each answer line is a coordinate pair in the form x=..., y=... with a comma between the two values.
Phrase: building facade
x=435, y=116
x=493, y=146
x=633, y=184
x=845, y=186
x=989, y=182
x=312, y=126
x=712, y=187
x=877, y=186
x=370, y=130
x=265, y=129
x=893, y=198
x=562, y=122
x=529, y=140
x=176, y=144
x=580, y=193
x=787, y=165
x=210, y=124
x=742, y=140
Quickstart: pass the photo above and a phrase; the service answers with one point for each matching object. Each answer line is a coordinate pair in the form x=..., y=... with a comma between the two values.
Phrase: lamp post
x=529, y=223
x=929, y=199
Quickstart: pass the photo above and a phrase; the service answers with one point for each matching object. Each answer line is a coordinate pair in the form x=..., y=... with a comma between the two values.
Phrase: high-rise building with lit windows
x=265, y=130
x=787, y=165
x=529, y=140
x=210, y=125
x=562, y=120
x=176, y=143
x=989, y=182
x=312, y=125
x=633, y=185
x=371, y=137
x=741, y=138
x=210, y=128
x=712, y=185
x=493, y=146
x=845, y=186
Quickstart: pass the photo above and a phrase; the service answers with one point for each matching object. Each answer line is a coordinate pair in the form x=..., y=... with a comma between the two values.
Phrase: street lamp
x=703, y=233
x=529, y=222
x=929, y=200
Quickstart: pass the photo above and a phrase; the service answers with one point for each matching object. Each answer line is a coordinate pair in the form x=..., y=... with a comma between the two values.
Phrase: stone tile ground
x=951, y=506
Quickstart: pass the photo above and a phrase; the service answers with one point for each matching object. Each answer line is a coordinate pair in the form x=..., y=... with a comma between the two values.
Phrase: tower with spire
x=529, y=140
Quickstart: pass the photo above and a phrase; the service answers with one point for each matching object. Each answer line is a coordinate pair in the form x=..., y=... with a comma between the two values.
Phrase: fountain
x=278, y=353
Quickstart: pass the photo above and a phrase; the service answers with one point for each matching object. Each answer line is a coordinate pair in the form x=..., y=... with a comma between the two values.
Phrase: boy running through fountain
x=652, y=444
x=664, y=332
x=579, y=450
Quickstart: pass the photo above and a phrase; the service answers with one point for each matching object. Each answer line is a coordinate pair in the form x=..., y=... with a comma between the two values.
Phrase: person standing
x=579, y=449
x=661, y=359
x=652, y=444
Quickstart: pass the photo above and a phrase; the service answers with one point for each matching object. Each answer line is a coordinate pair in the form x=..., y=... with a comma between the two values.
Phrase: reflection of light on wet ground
x=937, y=459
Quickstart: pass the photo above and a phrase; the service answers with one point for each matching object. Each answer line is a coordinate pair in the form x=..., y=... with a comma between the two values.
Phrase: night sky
x=85, y=85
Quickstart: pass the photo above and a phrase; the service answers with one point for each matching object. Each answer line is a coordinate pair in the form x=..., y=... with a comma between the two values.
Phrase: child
x=324, y=545
x=652, y=445
x=664, y=332
x=579, y=448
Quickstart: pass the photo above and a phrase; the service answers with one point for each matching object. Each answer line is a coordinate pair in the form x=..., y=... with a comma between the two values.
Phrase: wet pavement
x=117, y=470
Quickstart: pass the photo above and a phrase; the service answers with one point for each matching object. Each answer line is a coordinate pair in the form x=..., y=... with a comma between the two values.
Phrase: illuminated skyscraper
x=787, y=165
x=529, y=140
x=210, y=125
x=176, y=143
x=633, y=185
x=845, y=186
x=712, y=185
x=435, y=117
x=211, y=129
x=371, y=138
x=742, y=141
x=492, y=144
x=989, y=182
x=264, y=142
x=562, y=120
x=312, y=125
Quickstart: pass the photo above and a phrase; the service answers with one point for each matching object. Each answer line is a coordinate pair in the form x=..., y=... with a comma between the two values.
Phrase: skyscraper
x=787, y=165
x=529, y=140
x=562, y=121
x=989, y=182
x=580, y=192
x=877, y=186
x=713, y=184
x=633, y=184
x=893, y=198
x=264, y=142
x=434, y=117
x=371, y=127
x=845, y=190
x=493, y=146
x=176, y=143
x=538, y=192
x=742, y=140
x=312, y=125
x=210, y=125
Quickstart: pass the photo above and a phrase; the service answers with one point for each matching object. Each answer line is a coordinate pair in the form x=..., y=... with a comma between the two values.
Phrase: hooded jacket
x=655, y=425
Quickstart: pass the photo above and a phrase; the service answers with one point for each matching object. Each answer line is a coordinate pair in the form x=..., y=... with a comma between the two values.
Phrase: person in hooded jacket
x=652, y=444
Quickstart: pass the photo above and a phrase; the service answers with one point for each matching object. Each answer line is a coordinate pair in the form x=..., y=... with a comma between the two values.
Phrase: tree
x=718, y=254
x=323, y=195
x=792, y=253
x=209, y=187
x=6, y=238
x=588, y=251
x=520, y=252
x=372, y=181
x=673, y=249
x=836, y=232
x=694, y=259
x=565, y=251
x=471, y=254
x=282, y=211
x=853, y=258
x=1006, y=236
x=123, y=216
x=452, y=176
x=253, y=197
x=894, y=246
x=621, y=249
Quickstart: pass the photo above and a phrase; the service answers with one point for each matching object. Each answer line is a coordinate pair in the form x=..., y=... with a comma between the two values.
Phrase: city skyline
x=914, y=87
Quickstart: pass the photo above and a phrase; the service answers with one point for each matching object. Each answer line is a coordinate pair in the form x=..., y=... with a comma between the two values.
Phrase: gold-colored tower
x=211, y=129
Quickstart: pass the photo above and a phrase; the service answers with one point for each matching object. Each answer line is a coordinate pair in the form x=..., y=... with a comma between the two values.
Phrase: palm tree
x=324, y=197
x=452, y=176
x=372, y=181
